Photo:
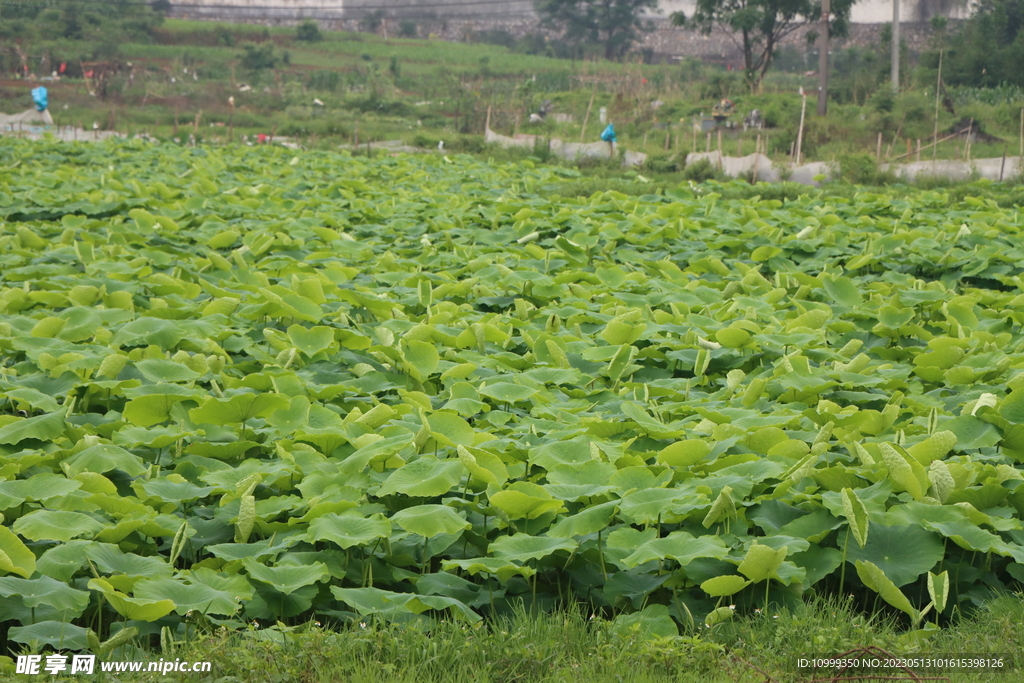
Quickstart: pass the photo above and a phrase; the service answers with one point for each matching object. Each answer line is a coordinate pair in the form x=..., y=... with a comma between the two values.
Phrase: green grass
x=572, y=646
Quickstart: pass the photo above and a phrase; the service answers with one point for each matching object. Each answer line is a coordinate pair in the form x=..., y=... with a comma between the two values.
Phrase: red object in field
x=644, y=81
x=63, y=67
x=261, y=138
x=728, y=67
x=88, y=74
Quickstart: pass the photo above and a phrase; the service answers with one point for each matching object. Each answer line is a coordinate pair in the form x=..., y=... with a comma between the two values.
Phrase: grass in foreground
x=575, y=646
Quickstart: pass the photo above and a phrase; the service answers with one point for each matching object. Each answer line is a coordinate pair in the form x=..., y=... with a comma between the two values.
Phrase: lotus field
x=246, y=385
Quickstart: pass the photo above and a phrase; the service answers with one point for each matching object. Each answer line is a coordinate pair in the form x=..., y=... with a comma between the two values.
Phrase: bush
x=702, y=171
x=258, y=57
x=309, y=32
x=862, y=169
x=407, y=28
x=324, y=80
x=662, y=163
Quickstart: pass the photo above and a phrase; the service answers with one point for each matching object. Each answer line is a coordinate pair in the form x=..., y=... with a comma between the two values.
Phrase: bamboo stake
x=668, y=138
x=707, y=144
x=487, y=123
x=935, y=133
x=586, y=118
x=878, y=148
x=967, y=143
x=719, y=148
x=918, y=150
x=1002, y=166
x=800, y=132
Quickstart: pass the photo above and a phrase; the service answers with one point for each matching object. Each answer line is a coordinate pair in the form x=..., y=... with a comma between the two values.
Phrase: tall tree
x=615, y=24
x=989, y=50
x=758, y=26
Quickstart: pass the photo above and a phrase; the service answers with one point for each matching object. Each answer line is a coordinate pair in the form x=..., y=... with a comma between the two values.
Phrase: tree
x=758, y=26
x=615, y=24
x=989, y=50
x=308, y=31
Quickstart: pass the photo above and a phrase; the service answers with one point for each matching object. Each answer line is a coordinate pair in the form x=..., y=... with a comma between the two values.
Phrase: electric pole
x=896, y=45
x=823, y=59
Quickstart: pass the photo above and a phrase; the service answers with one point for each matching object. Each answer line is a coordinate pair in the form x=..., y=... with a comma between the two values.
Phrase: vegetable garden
x=241, y=385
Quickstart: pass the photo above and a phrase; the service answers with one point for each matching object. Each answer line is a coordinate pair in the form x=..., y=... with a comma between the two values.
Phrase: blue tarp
x=40, y=97
x=609, y=133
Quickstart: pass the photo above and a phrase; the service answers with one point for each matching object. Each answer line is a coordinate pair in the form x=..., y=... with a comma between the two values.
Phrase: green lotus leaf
x=238, y=409
x=42, y=486
x=104, y=458
x=286, y=579
x=425, y=477
x=506, y=392
x=157, y=370
x=56, y=525
x=151, y=409
x=875, y=579
x=903, y=553
x=59, y=635
x=570, y=452
x=110, y=559
x=649, y=623
x=762, y=562
x=421, y=359
x=722, y=586
x=188, y=597
x=588, y=521
x=311, y=341
x=522, y=505
x=523, y=547
x=45, y=591
x=503, y=569
x=348, y=530
x=679, y=546
x=132, y=608
x=450, y=429
x=43, y=428
x=15, y=557
x=430, y=520
x=146, y=331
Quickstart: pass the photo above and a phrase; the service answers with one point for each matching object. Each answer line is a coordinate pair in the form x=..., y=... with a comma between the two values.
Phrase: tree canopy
x=758, y=26
x=989, y=50
x=615, y=24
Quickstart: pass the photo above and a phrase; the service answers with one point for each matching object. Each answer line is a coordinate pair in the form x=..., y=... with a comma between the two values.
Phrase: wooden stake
x=878, y=148
x=586, y=118
x=739, y=147
x=935, y=133
x=918, y=150
x=707, y=144
x=719, y=148
x=195, y=125
x=487, y=123
x=800, y=132
x=967, y=143
x=355, y=137
x=1002, y=166
x=668, y=138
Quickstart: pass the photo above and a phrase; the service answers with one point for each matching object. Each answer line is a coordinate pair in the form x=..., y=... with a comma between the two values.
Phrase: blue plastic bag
x=40, y=98
x=609, y=133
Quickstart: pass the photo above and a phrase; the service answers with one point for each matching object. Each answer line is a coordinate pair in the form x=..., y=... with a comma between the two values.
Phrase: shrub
x=324, y=80
x=862, y=169
x=407, y=28
x=309, y=32
x=702, y=171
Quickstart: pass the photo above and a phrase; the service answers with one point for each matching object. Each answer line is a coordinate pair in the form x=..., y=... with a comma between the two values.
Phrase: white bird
x=316, y=100
x=440, y=144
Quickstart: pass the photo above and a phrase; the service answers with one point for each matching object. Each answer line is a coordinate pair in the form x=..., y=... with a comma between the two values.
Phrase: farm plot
x=244, y=385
